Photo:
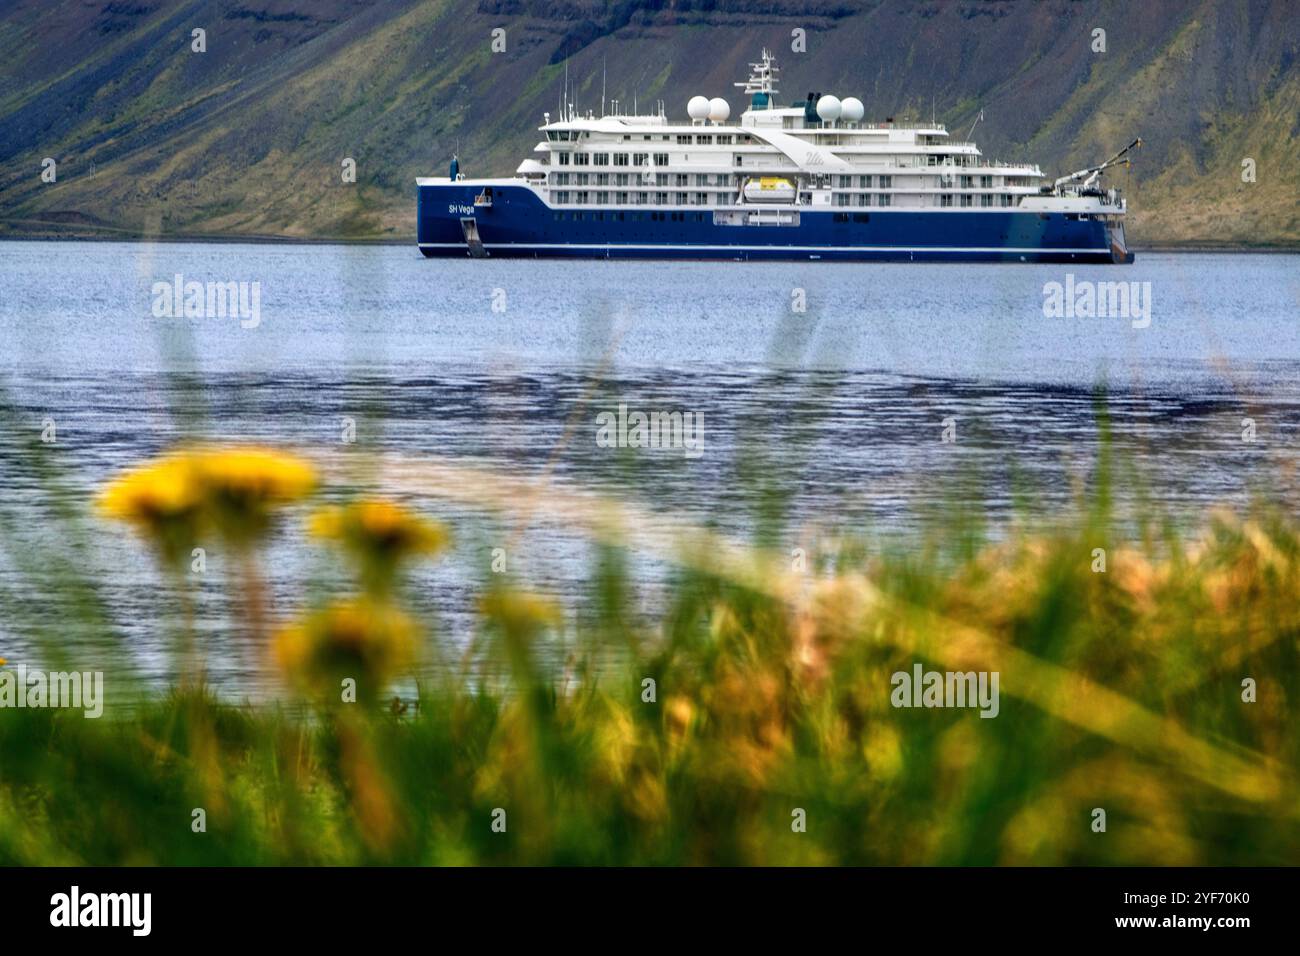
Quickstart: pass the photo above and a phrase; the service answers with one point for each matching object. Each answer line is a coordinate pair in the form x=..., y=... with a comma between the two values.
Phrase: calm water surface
x=839, y=408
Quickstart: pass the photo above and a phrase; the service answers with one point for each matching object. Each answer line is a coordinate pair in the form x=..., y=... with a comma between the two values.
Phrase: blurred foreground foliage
x=1121, y=689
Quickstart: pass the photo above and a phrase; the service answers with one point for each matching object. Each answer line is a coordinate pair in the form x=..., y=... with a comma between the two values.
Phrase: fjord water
x=825, y=387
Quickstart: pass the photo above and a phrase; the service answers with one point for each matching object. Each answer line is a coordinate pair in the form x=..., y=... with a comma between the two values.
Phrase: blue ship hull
x=519, y=224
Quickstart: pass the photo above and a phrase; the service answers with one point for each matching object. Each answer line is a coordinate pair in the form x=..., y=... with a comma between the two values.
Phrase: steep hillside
x=248, y=137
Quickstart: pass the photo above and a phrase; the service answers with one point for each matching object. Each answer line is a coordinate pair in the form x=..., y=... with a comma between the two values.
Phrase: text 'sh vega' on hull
x=809, y=181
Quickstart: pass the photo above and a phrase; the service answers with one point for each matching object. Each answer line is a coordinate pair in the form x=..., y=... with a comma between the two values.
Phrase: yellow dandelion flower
x=369, y=641
x=379, y=531
x=519, y=611
x=256, y=474
x=163, y=498
x=242, y=484
x=161, y=490
x=234, y=488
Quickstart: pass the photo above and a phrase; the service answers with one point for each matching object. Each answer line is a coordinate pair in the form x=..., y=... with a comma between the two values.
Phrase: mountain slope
x=248, y=137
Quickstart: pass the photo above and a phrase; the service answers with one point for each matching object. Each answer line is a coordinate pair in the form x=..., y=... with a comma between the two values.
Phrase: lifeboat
x=769, y=189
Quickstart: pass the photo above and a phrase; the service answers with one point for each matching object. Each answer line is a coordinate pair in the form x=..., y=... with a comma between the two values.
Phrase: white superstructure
x=823, y=149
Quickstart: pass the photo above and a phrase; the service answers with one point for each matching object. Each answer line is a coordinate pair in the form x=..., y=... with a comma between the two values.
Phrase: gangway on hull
x=469, y=229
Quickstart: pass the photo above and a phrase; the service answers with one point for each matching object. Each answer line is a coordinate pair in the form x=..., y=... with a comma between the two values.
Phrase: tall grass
x=1122, y=690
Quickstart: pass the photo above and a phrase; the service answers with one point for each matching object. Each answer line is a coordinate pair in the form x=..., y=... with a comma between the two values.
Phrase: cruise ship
x=806, y=181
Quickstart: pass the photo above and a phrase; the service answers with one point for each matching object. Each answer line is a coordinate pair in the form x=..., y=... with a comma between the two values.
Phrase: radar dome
x=719, y=109
x=698, y=107
x=828, y=108
x=852, y=110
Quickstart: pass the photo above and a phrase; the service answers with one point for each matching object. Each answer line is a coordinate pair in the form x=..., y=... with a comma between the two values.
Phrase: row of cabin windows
x=602, y=159
x=619, y=216
x=683, y=139
x=661, y=198
x=864, y=182
x=863, y=199
x=723, y=180
x=703, y=139
x=661, y=159
x=984, y=200
x=582, y=197
x=626, y=179
x=967, y=200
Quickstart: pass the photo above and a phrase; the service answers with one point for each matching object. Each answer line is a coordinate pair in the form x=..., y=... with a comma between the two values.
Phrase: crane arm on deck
x=1092, y=172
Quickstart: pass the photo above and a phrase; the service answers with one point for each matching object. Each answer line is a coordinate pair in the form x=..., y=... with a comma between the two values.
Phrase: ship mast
x=761, y=85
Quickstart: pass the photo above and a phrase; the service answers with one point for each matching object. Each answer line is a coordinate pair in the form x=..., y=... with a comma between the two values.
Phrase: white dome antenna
x=828, y=108
x=719, y=109
x=852, y=110
x=698, y=108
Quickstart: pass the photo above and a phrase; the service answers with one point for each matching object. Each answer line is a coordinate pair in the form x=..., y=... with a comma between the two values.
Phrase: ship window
x=886, y=182
x=704, y=140
x=886, y=199
x=661, y=159
x=967, y=199
x=581, y=159
x=684, y=140
x=724, y=140
x=600, y=159
x=620, y=159
x=639, y=159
